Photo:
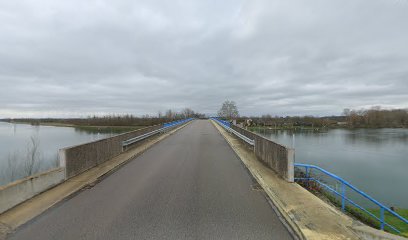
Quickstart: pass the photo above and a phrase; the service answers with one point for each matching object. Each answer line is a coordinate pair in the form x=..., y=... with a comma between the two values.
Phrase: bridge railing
x=166, y=126
x=175, y=123
x=339, y=189
x=227, y=126
x=277, y=157
x=77, y=159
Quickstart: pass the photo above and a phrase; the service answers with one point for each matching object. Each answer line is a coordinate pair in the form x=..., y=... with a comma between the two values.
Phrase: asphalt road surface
x=189, y=186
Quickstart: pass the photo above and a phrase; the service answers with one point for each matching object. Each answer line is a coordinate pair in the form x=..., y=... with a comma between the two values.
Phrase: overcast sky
x=283, y=57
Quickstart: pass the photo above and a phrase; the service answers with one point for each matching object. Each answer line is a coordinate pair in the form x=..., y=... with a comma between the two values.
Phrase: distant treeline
x=290, y=122
x=377, y=118
x=364, y=118
x=369, y=118
x=112, y=120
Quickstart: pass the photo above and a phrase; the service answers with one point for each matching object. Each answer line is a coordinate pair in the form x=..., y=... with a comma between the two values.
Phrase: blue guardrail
x=223, y=122
x=174, y=123
x=344, y=199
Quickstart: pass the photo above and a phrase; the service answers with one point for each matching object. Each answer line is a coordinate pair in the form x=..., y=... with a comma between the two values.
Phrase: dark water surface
x=15, y=139
x=373, y=160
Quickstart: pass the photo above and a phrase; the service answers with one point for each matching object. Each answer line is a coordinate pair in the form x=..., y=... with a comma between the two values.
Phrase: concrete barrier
x=21, y=190
x=277, y=157
x=80, y=158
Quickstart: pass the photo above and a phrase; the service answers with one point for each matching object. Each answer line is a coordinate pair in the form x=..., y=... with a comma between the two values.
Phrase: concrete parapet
x=21, y=190
x=277, y=157
x=80, y=158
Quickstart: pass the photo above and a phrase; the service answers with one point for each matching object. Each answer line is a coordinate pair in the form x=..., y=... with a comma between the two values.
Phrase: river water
x=15, y=140
x=373, y=160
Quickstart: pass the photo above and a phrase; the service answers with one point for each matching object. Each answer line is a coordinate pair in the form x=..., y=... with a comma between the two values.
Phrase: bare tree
x=169, y=114
x=228, y=110
x=12, y=168
x=187, y=113
x=32, y=155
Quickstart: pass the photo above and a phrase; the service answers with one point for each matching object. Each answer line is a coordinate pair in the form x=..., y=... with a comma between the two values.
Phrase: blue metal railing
x=174, y=123
x=227, y=126
x=345, y=199
x=165, y=127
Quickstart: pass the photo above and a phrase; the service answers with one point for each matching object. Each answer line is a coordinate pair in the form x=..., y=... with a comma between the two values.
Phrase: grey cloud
x=281, y=57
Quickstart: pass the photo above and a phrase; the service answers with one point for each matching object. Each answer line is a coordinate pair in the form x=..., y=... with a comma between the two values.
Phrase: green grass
x=393, y=221
x=389, y=218
x=362, y=215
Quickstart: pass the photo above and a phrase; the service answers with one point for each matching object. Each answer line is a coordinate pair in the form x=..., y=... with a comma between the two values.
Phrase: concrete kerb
x=18, y=191
x=301, y=224
x=28, y=210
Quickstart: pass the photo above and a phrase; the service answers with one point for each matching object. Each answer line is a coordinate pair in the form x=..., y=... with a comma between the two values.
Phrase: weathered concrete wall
x=277, y=157
x=21, y=190
x=78, y=159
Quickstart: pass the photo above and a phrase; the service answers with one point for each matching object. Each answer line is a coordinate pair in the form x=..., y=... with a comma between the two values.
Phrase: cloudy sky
x=284, y=57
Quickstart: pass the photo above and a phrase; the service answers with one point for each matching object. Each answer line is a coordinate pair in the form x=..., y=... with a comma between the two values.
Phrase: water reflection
x=15, y=141
x=377, y=136
x=375, y=160
x=104, y=130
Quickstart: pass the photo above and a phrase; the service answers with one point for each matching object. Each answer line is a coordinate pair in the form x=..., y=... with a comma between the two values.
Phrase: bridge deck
x=189, y=186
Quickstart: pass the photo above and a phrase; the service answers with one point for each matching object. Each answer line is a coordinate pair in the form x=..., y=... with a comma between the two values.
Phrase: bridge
x=191, y=179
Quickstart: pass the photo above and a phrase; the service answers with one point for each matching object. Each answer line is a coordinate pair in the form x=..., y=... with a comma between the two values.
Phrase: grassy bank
x=85, y=128
x=107, y=129
x=293, y=128
x=109, y=120
x=360, y=214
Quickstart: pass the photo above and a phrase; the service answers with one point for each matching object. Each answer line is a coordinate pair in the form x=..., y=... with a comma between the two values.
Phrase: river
x=15, y=139
x=374, y=160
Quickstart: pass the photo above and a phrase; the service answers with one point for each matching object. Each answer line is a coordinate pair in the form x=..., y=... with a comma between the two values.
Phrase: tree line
x=289, y=121
x=377, y=118
x=115, y=119
x=364, y=118
x=229, y=111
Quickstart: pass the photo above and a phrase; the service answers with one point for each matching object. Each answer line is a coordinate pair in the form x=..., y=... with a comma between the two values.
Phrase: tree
x=228, y=110
x=33, y=155
x=12, y=167
x=169, y=114
x=346, y=112
x=188, y=113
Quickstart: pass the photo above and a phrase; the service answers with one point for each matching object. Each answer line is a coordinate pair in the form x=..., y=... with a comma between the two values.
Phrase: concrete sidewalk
x=309, y=216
